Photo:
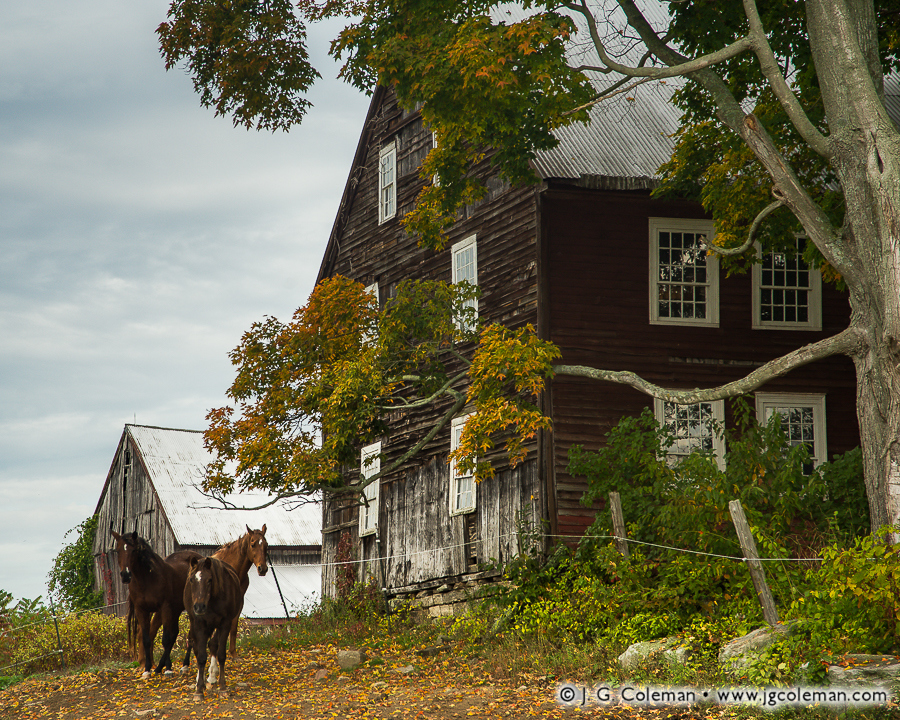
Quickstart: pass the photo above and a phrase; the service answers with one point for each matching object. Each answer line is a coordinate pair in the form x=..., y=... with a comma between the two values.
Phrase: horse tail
x=131, y=622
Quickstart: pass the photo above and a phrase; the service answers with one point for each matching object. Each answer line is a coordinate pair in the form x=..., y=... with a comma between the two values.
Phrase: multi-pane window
x=802, y=419
x=786, y=293
x=369, y=465
x=684, y=280
x=464, y=256
x=693, y=427
x=462, y=485
x=387, y=183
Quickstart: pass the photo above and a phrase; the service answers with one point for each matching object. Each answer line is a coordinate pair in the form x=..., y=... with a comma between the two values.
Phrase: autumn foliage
x=308, y=393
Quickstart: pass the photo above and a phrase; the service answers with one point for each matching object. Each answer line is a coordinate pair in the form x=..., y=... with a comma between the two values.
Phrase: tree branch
x=846, y=343
x=770, y=68
x=764, y=213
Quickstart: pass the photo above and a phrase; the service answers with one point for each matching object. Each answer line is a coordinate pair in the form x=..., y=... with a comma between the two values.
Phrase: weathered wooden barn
x=618, y=280
x=154, y=488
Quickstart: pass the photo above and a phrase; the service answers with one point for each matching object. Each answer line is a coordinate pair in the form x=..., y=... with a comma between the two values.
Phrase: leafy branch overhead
x=309, y=392
x=785, y=130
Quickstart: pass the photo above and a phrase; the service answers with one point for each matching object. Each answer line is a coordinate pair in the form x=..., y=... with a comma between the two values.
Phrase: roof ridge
x=158, y=427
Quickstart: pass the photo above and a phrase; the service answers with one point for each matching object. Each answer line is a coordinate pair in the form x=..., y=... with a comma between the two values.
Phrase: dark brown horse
x=248, y=550
x=154, y=586
x=213, y=599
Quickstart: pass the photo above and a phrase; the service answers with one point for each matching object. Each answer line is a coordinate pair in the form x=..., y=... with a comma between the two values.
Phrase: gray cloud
x=139, y=237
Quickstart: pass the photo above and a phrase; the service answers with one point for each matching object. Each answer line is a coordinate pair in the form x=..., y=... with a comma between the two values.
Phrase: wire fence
x=13, y=634
x=9, y=632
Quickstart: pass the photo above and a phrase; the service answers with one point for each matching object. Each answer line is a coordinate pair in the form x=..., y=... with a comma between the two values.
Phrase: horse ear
x=249, y=531
x=194, y=561
x=114, y=533
x=263, y=531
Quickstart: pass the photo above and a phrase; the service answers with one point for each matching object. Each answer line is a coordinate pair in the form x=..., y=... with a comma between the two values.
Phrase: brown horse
x=213, y=599
x=154, y=586
x=249, y=549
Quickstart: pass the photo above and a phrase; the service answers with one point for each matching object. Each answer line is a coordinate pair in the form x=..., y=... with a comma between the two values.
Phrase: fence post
x=748, y=545
x=618, y=521
x=59, y=646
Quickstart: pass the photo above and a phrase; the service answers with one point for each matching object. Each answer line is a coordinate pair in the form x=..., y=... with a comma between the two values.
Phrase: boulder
x=736, y=655
x=670, y=650
x=866, y=670
x=350, y=659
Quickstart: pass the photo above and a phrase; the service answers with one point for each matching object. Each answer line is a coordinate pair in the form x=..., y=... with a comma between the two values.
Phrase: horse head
x=258, y=549
x=200, y=585
x=126, y=546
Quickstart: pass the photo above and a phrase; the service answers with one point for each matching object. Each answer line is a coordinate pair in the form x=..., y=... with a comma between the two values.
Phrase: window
x=684, y=280
x=462, y=486
x=802, y=418
x=369, y=465
x=693, y=427
x=465, y=268
x=786, y=293
x=387, y=183
x=373, y=291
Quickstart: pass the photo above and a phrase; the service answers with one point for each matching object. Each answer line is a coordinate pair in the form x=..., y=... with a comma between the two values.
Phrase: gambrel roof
x=175, y=461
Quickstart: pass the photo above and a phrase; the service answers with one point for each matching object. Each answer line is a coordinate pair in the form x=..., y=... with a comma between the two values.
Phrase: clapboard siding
x=597, y=268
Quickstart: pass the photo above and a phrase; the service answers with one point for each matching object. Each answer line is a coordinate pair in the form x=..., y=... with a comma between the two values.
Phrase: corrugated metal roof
x=300, y=585
x=176, y=460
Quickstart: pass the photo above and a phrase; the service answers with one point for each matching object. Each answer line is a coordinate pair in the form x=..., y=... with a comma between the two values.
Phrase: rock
x=350, y=659
x=145, y=713
x=378, y=685
x=866, y=670
x=320, y=675
x=431, y=651
x=406, y=670
x=668, y=649
x=343, y=679
x=736, y=655
x=443, y=589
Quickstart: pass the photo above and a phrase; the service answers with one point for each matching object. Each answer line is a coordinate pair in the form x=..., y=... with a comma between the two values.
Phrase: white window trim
x=368, y=516
x=718, y=412
x=471, y=241
x=814, y=322
x=388, y=151
x=456, y=426
x=766, y=401
x=705, y=227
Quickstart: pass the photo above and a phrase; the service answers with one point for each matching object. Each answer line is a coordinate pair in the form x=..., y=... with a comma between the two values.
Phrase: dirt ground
x=308, y=683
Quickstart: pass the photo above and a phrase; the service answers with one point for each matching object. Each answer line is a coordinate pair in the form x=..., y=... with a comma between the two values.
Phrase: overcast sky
x=139, y=237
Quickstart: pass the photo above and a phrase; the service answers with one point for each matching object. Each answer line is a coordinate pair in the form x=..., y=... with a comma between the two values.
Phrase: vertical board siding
x=419, y=537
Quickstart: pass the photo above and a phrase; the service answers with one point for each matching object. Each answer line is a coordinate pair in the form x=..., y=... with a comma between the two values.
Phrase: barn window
x=387, y=183
x=369, y=465
x=693, y=426
x=684, y=280
x=786, y=293
x=464, y=266
x=462, y=485
x=802, y=419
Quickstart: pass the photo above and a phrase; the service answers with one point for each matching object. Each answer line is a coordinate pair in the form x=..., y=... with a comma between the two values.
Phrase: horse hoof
x=168, y=673
x=146, y=675
x=198, y=697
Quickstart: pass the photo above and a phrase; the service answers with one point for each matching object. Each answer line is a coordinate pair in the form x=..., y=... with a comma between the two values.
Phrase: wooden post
x=618, y=521
x=748, y=544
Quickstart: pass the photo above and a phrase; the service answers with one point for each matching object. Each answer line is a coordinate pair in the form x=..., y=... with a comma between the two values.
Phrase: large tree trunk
x=866, y=157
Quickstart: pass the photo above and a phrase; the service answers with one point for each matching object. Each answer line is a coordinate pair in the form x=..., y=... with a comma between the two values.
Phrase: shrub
x=71, y=580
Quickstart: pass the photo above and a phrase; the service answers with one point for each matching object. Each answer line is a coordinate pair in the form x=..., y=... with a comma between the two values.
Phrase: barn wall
x=128, y=504
x=414, y=515
x=596, y=265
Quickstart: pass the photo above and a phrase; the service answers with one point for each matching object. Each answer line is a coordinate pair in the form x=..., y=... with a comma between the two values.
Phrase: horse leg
x=199, y=643
x=146, y=641
x=213, y=675
x=170, y=635
x=233, y=636
x=186, y=663
x=222, y=655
